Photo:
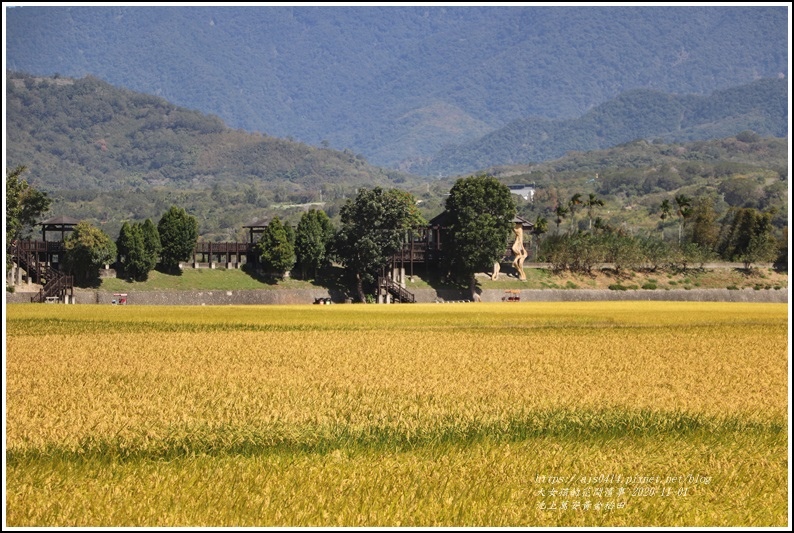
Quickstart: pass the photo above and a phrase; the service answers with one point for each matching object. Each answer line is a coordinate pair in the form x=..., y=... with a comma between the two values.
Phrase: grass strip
x=564, y=424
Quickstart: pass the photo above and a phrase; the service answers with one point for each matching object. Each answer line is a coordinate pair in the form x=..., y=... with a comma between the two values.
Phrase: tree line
x=375, y=224
x=373, y=228
x=743, y=234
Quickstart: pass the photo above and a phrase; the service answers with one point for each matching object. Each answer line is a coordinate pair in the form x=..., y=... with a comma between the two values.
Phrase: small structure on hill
x=60, y=224
x=256, y=227
x=527, y=192
x=40, y=261
x=424, y=246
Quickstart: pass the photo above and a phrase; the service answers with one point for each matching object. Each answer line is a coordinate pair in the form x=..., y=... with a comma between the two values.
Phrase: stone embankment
x=308, y=296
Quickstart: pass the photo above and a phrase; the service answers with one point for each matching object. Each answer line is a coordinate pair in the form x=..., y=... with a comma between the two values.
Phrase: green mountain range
x=761, y=106
x=86, y=134
x=399, y=83
x=108, y=155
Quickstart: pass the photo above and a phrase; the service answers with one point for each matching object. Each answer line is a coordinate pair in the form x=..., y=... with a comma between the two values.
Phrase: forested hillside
x=761, y=106
x=84, y=140
x=398, y=83
x=86, y=134
x=109, y=155
x=634, y=179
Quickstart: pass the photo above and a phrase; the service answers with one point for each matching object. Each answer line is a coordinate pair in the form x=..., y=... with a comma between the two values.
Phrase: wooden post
x=402, y=265
x=412, y=254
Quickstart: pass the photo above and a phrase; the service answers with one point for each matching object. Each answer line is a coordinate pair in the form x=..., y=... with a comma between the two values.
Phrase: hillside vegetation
x=112, y=154
x=399, y=83
x=634, y=178
x=112, y=138
x=108, y=155
x=761, y=106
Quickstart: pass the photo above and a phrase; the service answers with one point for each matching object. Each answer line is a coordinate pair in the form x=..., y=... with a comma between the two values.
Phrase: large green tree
x=313, y=240
x=88, y=249
x=24, y=204
x=481, y=211
x=178, y=235
x=373, y=229
x=151, y=243
x=705, y=230
x=747, y=237
x=276, y=253
x=138, y=249
x=131, y=252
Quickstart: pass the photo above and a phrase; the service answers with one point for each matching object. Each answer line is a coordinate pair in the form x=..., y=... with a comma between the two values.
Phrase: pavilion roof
x=261, y=223
x=518, y=219
x=442, y=219
x=60, y=221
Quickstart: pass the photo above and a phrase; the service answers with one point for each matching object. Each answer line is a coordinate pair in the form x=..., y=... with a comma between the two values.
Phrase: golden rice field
x=505, y=414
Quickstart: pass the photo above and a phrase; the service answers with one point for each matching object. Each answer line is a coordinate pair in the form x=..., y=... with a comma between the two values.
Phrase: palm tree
x=541, y=227
x=573, y=203
x=667, y=209
x=600, y=225
x=591, y=203
x=684, y=210
x=561, y=212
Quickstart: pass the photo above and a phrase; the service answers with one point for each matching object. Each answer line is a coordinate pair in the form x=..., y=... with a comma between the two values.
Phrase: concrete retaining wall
x=250, y=297
x=307, y=296
x=589, y=295
x=677, y=295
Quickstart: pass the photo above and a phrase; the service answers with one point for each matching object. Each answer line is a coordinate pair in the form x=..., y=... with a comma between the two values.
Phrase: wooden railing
x=39, y=246
x=396, y=290
x=223, y=247
x=419, y=252
x=25, y=255
x=56, y=285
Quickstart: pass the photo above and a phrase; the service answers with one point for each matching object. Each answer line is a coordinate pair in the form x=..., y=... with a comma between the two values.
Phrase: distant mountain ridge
x=110, y=155
x=398, y=83
x=761, y=106
x=87, y=134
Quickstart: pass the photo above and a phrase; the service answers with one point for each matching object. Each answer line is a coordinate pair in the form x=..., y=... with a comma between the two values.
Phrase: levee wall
x=308, y=296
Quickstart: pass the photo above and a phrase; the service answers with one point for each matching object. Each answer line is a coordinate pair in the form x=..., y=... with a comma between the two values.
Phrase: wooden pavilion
x=45, y=252
x=60, y=224
x=40, y=260
x=256, y=227
x=424, y=246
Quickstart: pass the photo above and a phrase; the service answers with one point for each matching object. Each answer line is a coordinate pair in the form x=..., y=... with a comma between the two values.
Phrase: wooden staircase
x=398, y=292
x=24, y=259
x=55, y=284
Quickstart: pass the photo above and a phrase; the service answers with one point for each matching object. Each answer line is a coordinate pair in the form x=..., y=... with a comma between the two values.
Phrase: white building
x=527, y=192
